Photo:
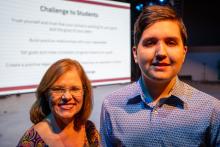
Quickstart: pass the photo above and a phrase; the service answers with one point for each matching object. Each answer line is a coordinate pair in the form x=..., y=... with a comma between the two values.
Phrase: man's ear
x=184, y=52
x=134, y=51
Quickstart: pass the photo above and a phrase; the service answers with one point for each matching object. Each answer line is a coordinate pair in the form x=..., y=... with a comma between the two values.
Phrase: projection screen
x=35, y=34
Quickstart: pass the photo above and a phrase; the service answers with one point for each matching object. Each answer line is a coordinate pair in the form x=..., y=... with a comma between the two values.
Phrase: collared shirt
x=188, y=117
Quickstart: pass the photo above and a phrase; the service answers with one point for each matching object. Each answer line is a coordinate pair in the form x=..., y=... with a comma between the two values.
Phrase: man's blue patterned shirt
x=188, y=118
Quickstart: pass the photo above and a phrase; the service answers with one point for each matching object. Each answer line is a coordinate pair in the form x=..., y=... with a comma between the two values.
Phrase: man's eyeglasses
x=60, y=91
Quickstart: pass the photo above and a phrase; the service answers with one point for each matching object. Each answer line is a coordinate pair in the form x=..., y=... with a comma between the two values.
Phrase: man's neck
x=158, y=90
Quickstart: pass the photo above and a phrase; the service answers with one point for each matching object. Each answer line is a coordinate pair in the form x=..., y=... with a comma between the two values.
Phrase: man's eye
x=149, y=42
x=171, y=42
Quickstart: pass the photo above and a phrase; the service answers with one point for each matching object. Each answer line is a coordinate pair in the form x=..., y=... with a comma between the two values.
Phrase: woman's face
x=66, y=96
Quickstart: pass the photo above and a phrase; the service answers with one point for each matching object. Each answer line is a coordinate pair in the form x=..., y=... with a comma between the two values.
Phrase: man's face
x=160, y=52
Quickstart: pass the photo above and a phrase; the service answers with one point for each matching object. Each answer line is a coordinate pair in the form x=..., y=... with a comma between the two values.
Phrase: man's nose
x=161, y=51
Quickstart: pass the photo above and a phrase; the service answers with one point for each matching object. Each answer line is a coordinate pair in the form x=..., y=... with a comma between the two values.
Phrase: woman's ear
x=47, y=96
x=134, y=51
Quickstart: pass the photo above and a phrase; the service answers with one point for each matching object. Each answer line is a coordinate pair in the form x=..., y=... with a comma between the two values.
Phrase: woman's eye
x=74, y=89
x=56, y=89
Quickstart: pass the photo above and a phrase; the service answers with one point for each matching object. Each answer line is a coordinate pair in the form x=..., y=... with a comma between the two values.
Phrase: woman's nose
x=67, y=94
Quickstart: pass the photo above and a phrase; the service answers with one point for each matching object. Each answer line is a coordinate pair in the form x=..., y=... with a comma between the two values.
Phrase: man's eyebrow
x=173, y=38
x=149, y=38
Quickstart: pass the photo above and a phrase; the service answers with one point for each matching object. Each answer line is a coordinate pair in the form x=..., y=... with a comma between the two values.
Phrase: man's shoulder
x=199, y=95
x=123, y=94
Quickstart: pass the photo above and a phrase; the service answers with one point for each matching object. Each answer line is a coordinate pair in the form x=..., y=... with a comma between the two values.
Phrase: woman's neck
x=65, y=134
x=58, y=125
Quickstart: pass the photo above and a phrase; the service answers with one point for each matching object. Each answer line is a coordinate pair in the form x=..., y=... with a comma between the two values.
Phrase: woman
x=62, y=108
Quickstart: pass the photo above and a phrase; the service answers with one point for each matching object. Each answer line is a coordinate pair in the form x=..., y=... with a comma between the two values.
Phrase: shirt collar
x=177, y=97
x=179, y=90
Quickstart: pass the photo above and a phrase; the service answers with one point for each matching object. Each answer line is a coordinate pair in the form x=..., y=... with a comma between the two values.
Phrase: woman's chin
x=64, y=115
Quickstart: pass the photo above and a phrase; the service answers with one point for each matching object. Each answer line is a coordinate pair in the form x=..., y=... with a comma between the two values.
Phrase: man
x=159, y=109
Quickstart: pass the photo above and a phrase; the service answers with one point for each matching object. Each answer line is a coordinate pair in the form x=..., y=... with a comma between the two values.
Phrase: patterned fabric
x=92, y=135
x=32, y=139
x=188, y=118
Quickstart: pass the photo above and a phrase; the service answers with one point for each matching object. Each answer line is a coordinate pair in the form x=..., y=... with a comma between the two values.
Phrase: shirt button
x=155, y=111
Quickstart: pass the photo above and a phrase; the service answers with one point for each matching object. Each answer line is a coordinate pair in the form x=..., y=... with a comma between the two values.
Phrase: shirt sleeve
x=31, y=138
x=92, y=134
x=105, y=127
x=108, y=138
x=215, y=126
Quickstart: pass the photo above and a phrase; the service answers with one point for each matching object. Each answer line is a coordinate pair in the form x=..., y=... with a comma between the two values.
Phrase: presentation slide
x=35, y=34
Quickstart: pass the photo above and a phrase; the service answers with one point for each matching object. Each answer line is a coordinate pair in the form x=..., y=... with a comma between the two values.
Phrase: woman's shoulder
x=92, y=134
x=31, y=138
